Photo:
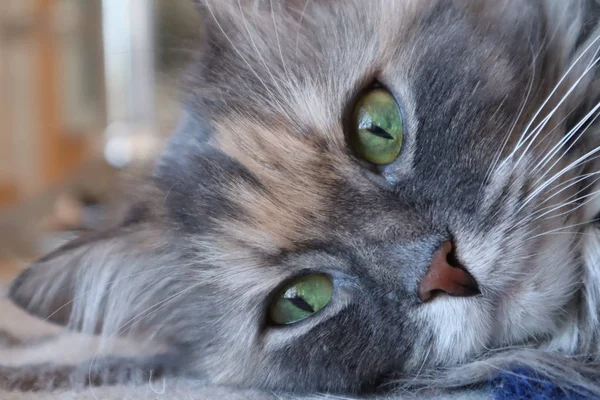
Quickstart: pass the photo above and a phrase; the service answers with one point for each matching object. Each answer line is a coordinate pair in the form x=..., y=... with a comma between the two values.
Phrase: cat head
x=357, y=194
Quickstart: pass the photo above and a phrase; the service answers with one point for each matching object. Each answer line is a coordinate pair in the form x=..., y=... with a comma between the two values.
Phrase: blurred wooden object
x=50, y=148
x=8, y=192
x=60, y=153
x=39, y=147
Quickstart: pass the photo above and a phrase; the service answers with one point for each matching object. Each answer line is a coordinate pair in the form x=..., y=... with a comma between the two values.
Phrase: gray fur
x=259, y=185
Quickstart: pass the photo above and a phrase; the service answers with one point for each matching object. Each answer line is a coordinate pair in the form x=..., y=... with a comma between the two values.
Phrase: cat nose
x=447, y=275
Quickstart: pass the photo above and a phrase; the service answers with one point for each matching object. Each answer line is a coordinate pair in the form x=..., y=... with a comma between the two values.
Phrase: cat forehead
x=284, y=76
x=306, y=64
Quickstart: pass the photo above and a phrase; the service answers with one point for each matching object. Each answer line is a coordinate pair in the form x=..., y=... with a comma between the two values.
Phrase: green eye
x=302, y=298
x=377, y=127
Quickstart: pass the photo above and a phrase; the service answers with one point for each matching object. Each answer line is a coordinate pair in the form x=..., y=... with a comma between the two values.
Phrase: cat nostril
x=452, y=259
x=447, y=275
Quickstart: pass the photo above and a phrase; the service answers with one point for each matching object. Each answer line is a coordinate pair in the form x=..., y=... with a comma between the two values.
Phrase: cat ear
x=99, y=280
x=46, y=289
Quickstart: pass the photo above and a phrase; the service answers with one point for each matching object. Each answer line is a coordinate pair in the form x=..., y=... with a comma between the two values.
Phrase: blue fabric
x=527, y=385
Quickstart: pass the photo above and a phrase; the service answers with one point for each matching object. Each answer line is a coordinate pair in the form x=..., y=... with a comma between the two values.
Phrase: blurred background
x=88, y=89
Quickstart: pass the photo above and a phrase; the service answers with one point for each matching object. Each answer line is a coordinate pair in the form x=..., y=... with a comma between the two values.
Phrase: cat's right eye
x=301, y=298
x=377, y=128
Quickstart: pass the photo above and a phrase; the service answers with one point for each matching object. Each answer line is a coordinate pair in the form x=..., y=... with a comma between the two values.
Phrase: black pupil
x=379, y=131
x=300, y=303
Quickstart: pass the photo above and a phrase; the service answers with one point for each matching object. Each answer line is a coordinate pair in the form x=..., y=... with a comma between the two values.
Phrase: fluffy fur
x=499, y=99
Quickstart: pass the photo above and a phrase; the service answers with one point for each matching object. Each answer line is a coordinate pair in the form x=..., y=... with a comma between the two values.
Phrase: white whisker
x=570, y=183
x=578, y=162
x=530, y=138
x=560, y=81
x=498, y=154
x=567, y=137
x=522, y=107
x=561, y=229
x=590, y=197
x=565, y=186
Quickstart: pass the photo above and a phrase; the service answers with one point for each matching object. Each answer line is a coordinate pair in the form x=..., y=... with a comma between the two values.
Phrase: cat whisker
x=569, y=200
x=494, y=166
x=524, y=136
x=542, y=141
x=522, y=107
x=530, y=138
x=570, y=233
x=574, y=198
x=300, y=25
x=157, y=306
x=570, y=183
x=567, y=138
x=425, y=359
x=561, y=229
x=575, y=164
x=590, y=197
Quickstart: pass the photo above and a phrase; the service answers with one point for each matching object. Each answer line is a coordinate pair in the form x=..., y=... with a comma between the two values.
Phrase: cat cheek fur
x=259, y=185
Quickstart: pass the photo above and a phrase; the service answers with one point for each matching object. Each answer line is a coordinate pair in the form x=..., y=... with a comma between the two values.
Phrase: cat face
x=357, y=194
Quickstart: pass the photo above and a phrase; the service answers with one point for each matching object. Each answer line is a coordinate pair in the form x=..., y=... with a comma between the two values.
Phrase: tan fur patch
x=295, y=178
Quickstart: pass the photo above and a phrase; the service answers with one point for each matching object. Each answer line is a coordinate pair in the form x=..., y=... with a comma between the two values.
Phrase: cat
x=362, y=197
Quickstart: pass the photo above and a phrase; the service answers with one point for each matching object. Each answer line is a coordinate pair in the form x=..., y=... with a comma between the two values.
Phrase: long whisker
x=556, y=87
x=551, y=209
x=548, y=134
x=561, y=229
x=567, y=185
x=530, y=137
x=522, y=107
x=498, y=154
x=568, y=136
x=590, y=197
x=578, y=162
x=534, y=194
x=157, y=306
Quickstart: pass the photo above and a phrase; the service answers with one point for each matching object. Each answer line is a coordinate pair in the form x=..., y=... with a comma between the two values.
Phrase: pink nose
x=447, y=275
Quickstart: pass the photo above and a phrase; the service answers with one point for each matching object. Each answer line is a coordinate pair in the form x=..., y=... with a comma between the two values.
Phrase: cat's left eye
x=301, y=298
x=377, y=130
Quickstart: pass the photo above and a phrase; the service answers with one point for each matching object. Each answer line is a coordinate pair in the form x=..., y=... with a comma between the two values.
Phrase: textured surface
x=524, y=384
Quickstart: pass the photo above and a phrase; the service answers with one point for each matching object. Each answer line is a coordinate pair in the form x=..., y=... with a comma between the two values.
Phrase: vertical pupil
x=300, y=303
x=379, y=131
